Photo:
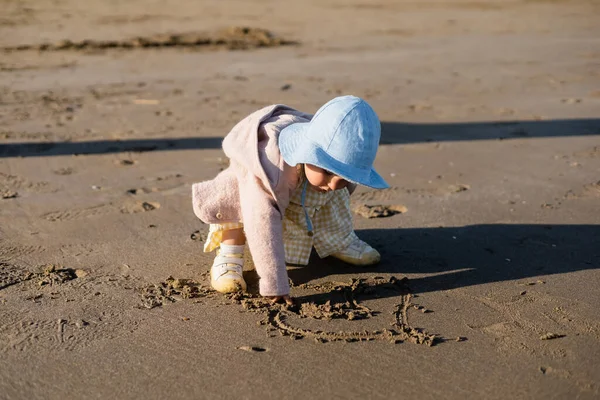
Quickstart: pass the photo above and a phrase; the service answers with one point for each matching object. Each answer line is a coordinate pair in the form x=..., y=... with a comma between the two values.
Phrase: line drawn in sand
x=278, y=316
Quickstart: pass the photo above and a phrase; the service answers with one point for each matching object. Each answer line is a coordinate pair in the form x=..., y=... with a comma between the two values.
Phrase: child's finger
x=288, y=300
x=277, y=299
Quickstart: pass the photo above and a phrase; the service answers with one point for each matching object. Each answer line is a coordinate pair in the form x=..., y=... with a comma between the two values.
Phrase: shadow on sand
x=392, y=133
x=470, y=255
x=45, y=149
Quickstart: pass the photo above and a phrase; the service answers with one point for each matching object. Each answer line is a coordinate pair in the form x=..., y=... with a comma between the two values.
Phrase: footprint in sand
x=51, y=274
x=101, y=209
x=592, y=189
x=15, y=183
x=592, y=152
x=10, y=275
x=140, y=206
x=589, y=190
x=125, y=163
x=9, y=251
x=68, y=331
x=143, y=190
x=71, y=214
x=64, y=171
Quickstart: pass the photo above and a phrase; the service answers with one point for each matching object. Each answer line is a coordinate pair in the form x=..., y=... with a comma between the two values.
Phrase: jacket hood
x=244, y=143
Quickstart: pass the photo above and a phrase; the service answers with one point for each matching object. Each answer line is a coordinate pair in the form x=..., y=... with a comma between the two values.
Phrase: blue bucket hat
x=342, y=138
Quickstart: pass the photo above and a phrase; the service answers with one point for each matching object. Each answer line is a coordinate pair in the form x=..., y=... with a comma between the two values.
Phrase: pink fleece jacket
x=256, y=190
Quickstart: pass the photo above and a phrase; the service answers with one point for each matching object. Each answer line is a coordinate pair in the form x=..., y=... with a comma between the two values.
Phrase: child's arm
x=264, y=233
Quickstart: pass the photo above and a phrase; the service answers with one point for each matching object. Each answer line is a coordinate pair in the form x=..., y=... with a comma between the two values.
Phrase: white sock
x=230, y=250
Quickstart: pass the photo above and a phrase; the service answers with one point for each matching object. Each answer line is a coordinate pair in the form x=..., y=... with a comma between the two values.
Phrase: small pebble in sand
x=125, y=162
x=81, y=323
x=178, y=283
x=253, y=349
x=149, y=206
x=80, y=273
x=9, y=194
x=459, y=188
x=417, y=107
x=549, y=336
x=196, y=236
x=140, y=206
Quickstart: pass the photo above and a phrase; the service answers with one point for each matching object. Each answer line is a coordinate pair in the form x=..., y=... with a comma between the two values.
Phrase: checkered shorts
x=215, y=234
x=329, y=213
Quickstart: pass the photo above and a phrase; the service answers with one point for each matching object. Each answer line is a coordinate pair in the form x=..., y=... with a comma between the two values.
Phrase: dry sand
x=490, y=234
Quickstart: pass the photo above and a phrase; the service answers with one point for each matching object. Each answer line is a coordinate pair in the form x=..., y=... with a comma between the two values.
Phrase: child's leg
x=234, y=237
x=227, y=270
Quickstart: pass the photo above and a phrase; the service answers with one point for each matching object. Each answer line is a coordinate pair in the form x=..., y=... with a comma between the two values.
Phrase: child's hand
x=276, y=299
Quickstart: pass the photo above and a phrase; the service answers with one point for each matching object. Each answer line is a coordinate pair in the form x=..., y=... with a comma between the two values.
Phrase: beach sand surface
x=488, y=285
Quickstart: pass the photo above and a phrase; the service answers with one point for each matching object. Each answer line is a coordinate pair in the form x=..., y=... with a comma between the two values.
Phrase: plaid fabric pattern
x=330, y=215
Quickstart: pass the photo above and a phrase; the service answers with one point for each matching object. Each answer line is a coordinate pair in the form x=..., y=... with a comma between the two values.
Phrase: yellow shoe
x=358, y=253
x=226, y=274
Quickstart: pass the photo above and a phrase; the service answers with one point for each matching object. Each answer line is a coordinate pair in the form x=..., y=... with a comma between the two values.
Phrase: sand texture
x=489, y=232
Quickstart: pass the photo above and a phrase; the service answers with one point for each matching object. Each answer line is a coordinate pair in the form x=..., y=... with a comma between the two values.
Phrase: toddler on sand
x=287, y=190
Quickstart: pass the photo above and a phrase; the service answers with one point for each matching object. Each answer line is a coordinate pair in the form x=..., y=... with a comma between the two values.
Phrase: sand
x=489, y=234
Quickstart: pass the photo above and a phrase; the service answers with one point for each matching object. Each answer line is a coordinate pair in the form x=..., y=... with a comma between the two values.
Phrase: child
x=287, y=190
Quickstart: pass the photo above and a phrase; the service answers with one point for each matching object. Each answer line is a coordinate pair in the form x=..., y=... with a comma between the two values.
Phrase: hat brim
x=296, y=149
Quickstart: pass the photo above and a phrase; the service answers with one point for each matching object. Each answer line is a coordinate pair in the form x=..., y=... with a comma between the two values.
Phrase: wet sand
x=490, y=233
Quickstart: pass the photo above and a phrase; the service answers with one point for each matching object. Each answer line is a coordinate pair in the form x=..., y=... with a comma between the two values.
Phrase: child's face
x=323, y=180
